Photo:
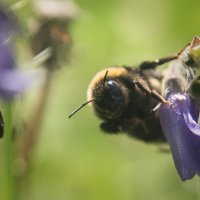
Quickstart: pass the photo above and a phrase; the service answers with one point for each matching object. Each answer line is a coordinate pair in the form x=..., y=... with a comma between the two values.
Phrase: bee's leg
x=109, y=127
x=153, y=64
x=156, y=108
x=150, y=92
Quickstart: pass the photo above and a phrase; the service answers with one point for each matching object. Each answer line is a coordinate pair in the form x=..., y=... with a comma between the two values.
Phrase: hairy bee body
x=121, y=104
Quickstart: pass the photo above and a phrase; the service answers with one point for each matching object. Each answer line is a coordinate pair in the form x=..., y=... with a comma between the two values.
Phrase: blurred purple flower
x=12, y=80
x=7, y=23
x=180, y=126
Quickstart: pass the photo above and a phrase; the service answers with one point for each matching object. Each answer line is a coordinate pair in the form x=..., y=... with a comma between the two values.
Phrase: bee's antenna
x=105, y=76
x=81, y=106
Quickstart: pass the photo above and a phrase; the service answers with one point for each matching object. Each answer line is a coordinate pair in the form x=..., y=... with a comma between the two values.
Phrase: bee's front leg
x=150, y=92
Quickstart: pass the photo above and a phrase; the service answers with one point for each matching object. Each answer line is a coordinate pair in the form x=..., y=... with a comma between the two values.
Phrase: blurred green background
x=73, y=159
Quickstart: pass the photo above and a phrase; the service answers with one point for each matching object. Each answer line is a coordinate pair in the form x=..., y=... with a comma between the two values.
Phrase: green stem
x=11, y=192
x=35, y=122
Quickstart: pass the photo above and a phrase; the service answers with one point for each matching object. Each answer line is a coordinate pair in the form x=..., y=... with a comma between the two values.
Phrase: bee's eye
x=114, y=88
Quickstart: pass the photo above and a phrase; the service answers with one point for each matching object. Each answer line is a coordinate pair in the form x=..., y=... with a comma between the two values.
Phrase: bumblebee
x=123, y=98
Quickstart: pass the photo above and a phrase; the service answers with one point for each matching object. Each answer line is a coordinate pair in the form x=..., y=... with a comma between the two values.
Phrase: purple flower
x=12, y=80
x=179, y=122
x=8, y=24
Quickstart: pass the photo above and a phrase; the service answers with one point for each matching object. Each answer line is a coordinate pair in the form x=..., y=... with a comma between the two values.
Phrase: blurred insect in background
x=51, y=30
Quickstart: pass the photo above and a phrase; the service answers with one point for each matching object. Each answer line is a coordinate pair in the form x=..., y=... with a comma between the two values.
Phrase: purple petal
x=13, y=82
x=7, y=60
x=8, y=28
x=7, y=23
x=180, y=126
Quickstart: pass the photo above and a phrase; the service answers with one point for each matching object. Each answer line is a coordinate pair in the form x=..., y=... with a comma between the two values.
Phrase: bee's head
x=108, y=94
x=111, y=97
